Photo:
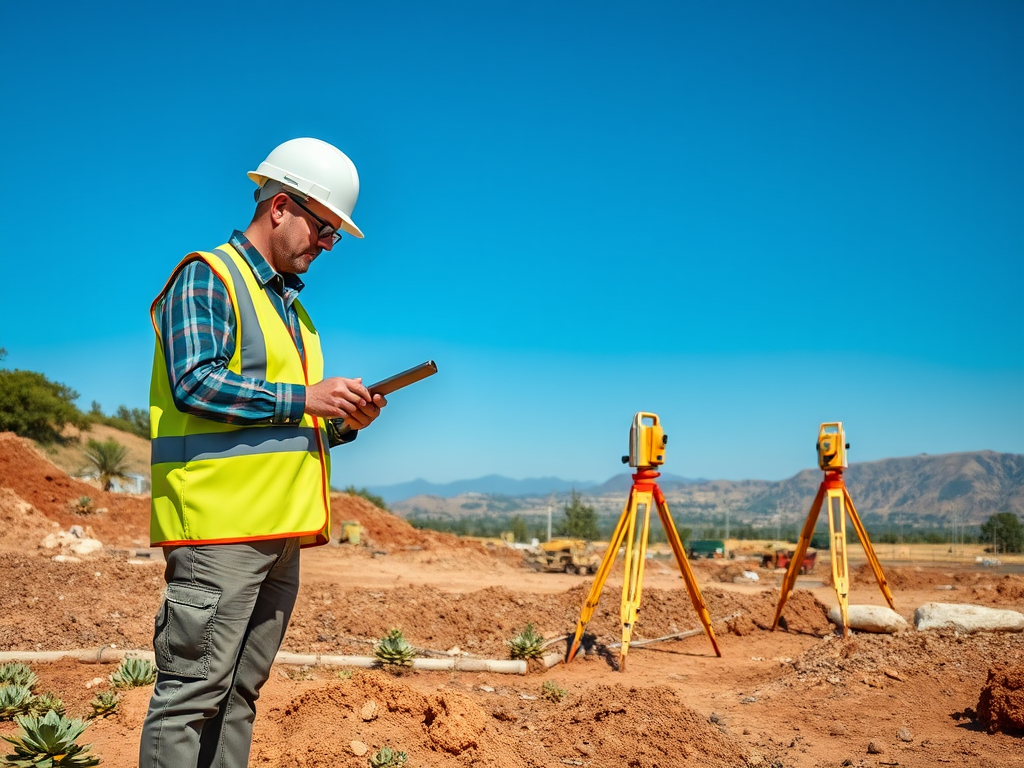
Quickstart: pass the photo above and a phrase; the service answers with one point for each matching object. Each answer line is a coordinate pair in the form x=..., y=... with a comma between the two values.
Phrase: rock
x=903, y=734
x=967, y=618
x=358, y=748
x=874, y=747
x=369, y=711
x=880, y=619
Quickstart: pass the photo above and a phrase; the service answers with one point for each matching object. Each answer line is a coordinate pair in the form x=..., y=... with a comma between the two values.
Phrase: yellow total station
x=646, y=442
x=646, y=450
x=834, y=497
x=832, y=446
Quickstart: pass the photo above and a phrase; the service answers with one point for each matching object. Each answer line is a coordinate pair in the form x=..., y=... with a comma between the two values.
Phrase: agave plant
x=133, y=673
x=49, y=742
x=386, y=757
x=392, y=649
x=526, y=644
x=14, y=700
x=104, y=703
x=552, y=691
x=45, y=702
x=17, y=674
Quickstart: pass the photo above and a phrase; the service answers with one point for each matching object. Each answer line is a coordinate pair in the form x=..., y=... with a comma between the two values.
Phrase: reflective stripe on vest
x=217, y=482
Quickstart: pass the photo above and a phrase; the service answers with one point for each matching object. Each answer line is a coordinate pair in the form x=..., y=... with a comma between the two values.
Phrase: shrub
x=33, y=406
x=393, y=650
x=49, y=742
x=526, y=644
x=386, y=757
x=552, y=691
x=370, y=497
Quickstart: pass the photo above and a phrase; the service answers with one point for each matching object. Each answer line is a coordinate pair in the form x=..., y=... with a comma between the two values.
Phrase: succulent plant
x=392, y=649
x=386, y=757
x=104, y=703
x=552, y=691
x=45, y=702
x=14, y=700
x=49, y=742
x=133, y=673
x=526, y=644
x=17, y=674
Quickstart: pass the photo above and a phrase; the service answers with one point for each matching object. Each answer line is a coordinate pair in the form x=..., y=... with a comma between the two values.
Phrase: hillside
x=918, y=490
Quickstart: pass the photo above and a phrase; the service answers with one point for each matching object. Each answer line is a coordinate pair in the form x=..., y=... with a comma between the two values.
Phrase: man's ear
x=277, y=205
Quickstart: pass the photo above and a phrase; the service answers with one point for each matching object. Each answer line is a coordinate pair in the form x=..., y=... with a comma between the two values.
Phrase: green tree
x=518, y=526
x=580, y=519
x=33, y=406
x=1004, y=531
x=110, y=459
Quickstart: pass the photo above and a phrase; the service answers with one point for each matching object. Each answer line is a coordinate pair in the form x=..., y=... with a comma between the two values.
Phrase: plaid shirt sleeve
x=198, y=327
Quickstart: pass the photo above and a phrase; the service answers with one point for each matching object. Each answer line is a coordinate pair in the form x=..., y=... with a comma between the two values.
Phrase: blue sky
x=747, y=217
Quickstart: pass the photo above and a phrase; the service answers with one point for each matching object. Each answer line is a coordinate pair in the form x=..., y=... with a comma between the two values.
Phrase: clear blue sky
x=747, y=217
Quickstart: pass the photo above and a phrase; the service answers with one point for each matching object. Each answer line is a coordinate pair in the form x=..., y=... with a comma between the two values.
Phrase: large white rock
x=72, y=541
x=870, y=618
x=967, y=618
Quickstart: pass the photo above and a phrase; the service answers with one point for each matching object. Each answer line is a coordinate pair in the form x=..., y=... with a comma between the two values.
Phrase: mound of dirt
x=39, y=482
x=1001, y=704
x=608, y=725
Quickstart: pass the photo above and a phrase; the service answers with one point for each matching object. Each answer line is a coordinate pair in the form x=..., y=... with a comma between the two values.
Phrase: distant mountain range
x=498, y=485
x=928, y=490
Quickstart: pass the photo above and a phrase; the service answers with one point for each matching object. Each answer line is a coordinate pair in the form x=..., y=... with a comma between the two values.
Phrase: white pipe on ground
x=106, y=653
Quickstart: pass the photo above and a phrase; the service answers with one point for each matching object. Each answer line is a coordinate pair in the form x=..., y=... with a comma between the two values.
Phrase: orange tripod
x=646, y=449
x=840, y=503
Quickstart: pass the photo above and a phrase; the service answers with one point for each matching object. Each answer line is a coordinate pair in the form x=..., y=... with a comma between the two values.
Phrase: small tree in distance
x=1004, y=532
x=580, y=519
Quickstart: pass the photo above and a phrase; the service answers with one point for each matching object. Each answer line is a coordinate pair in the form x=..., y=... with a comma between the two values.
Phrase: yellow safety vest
x=216, y=483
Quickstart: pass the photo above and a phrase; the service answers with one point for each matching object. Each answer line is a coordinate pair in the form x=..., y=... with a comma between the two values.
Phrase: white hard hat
x=316, y=170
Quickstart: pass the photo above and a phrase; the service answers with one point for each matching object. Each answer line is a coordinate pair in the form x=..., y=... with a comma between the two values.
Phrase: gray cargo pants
x=221, y=623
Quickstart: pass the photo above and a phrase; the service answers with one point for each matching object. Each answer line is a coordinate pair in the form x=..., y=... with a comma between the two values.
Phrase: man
x=240, y=416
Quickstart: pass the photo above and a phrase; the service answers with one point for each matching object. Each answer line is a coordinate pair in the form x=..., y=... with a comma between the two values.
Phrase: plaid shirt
x=197, y=323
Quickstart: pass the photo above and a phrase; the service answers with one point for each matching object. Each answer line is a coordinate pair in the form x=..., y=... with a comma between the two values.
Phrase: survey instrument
x=389, y=385
x=403, y=379
x=647, y=441
x=832, y=492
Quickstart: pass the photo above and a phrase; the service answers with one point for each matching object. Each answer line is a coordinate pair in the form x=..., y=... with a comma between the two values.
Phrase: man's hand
x=338, y=398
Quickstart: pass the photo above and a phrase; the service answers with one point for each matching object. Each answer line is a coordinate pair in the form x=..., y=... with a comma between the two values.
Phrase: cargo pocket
x=183, y=635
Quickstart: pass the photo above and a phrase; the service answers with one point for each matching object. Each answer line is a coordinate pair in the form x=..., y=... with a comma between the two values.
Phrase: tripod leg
x=868, y=549
x=636, y=555
x=587, y=613
x=836, y=502
x=789, y=580
x=684, y=567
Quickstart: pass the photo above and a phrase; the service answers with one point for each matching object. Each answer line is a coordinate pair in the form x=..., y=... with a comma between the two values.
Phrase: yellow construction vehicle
x=564, y=556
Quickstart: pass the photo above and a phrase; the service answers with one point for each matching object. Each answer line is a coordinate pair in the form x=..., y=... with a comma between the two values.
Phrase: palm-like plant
x=43, y=703
x=526, y=644
x=393, y=649
x=104, y=703
x=133, y=673
x=17, y=674
x=14, y=700
x=110, y=459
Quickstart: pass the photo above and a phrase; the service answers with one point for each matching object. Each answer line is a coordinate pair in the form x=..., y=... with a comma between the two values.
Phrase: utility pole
x=549, y=517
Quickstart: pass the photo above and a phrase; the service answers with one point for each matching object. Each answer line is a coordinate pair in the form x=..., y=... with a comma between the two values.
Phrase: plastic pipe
x=106, y=653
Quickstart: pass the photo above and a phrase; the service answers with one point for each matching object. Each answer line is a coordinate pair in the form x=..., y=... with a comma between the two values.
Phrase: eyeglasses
x=326, y=230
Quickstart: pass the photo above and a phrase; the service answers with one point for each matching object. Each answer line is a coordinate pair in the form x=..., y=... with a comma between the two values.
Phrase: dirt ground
x=794, y=698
